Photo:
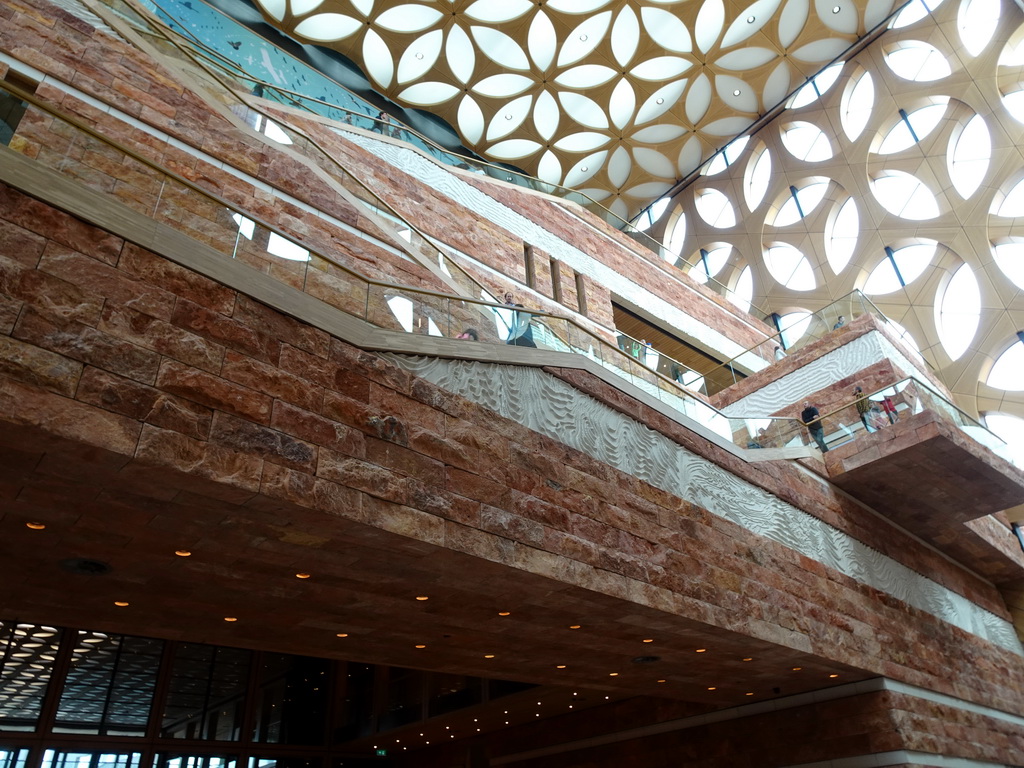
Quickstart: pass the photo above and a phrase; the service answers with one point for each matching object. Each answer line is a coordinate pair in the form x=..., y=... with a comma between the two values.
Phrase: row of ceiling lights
x=422, y=598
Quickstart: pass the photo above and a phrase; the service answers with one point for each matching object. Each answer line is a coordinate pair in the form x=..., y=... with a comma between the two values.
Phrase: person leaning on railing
x=812, y=420
x=863, y=406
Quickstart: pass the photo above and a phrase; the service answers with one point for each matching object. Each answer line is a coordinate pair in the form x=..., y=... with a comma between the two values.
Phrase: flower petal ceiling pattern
x=546, y=84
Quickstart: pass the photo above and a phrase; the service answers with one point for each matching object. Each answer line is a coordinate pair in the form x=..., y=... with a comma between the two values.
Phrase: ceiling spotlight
x=230, y=618
x=342, y=634
x=749, y=693
x=488, y=655
x=422, y=597
x=649, y=640
x=121, y=603
x=662, y=680
x=833, y=675
x=508, y=116
x=421, y=646
x=751, y=19
x=583, y=38
x=574, y=626
x=836, y=9
x=659, y=101
x=736, y=92
x=701, y=650
x=797, y=669
x=301, y=575
x=35, y=526
x=504, y=613
x=712, y=688
x=613, y=674
x=419, y=56
x=182, y=553
x=560, y=666
x=584, y=169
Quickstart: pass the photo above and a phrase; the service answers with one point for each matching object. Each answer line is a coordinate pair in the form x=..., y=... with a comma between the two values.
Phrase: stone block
x=163, y=337
x=213, y=391
x=271, y=380
x=245, y=437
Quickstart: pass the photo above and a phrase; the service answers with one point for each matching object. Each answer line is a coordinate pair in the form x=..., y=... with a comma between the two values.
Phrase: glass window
x=1009, y=256
x=800, y=203
x=900, y=267
x=913, y=12
x=708, y=263
x=447, y=693
x=757, y=177
x=1008, y=371
x=858, y=101
x=206, y=693
x=1010, y=429
x=652, y=214
x=790, y=267
x=806, y=141
x=1012, y=203
x=817, y=87
x=727, y=156
x=742, y=292
x=404, y=698
x=959, y=309
x=841, y=233
x=976, y=22
x=11, y=108
x=904, y=195
x=969, y=156
x=179, y=760
x=27, y=653
x=54, y=759
x=903, y=335
x=109, y=687
x=793, y=327
x=913, y=126
x=677, y=238
x=286, y=249
x=13, y=758
x=715, y=208
x=292, y=700
x=917, y=61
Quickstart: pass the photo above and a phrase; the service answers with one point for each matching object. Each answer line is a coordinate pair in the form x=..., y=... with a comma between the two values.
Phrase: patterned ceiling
x=616, y=98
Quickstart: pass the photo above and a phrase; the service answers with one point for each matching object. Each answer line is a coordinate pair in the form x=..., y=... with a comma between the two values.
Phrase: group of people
x=873, y=415
x=520, y=331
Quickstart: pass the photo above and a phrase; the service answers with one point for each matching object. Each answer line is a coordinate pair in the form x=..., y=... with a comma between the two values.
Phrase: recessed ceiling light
x=749, y=693
x=230, y=618
x=421, y=646
x=751, y=19
x=488, y=655
x=833, y=675
x=797, y=669
x=585, y=168
x=836, y=9
x=182, y=553
x=342, y=634
x=613, y=674
x=419, y=55
x=702, y=650
x=35, y=526
x=649, y=640
x=301, y=575
x=712, y=688
x=560, y=666
x=422, y=597
x=748, y=658
x=659, y=101
x=583, y=38
x=504, y=613
x=662, y=680
x=736, y=92
x=574, y=626
x=121, y=603
x=508, y=116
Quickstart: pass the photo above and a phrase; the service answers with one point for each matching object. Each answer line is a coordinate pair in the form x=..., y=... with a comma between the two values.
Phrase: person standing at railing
x=520, y=334
x=812, y=420
x=780, y=353
x=890, y=409
x=863, y=406
x=839, y=323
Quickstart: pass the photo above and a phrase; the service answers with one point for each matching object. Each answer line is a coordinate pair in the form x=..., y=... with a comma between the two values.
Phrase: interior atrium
x=470, y=383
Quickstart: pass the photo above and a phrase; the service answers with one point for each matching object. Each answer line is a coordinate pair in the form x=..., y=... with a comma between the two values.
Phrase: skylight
x=800, y=203
x=958, y=310
x=913, y=12
x=708, y=263
x=1009, y=429
x=742, y=292
x=900, y=267
x=1012, y=203
x=904, y=195
x=727, y=156
x=1008, y=371
x=790, y=267
x=841, y=233
x=757, y=177
x=976, y=23
x=806, y=141
x=817, y=86
x=904, y=335
x=858, y=100
x=1009, y=256
x=913, y=126
x=918, y=61
x=969, y=155
x=794, y=326
x=678, y=237
x=715, y=208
